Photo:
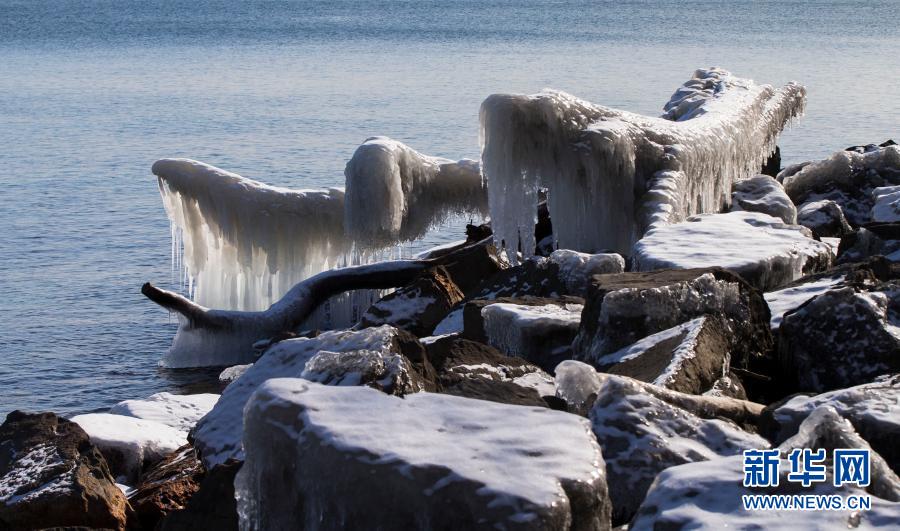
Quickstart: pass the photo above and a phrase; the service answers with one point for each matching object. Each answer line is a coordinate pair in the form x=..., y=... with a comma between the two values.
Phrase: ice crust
x=759, y=247
x=512, y=467
x=509, y=326
x=177, y=411
x=763, y=193
x=243, y=244
x=612, y=174
x=784, y=300
x=218, y=434
x=576, y=269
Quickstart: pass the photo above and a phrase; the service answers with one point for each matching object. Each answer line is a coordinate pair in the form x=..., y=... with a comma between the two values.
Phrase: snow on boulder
x=576, y=269
x=178, y=411
x=709, y=494
x=872, y=408
x=360, y=458
x=689, y=358
x=641, y=435
x=843, y=337
x=622, y=309
x=396, y=194
x=848, y=178
x=612, y=174
x=875, y=239
x=760, y=248
x=418, y=307
x=374, y=356
x=792, y=297
x=763, y=193
x=455, y=359
x=233, y=373
x=130, y=444
x=824, y=218
x=886, y=207
x=51, y=476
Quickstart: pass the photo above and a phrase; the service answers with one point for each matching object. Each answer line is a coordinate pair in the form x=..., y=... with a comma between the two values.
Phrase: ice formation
x=763, y=193
x=516, y=329
x=612, y=174
x=246, y=243
x=178, y=411
x=784, y=300
x=759, y=247
x=576, y=269
x=430, y=461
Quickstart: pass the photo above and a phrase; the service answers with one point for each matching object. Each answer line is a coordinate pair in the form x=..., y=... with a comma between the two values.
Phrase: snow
x=134, y=442
x=598, y=162
x=396, y=194
x=887, y=204
x=784, y=300
x=540, y=381
x=233, y=373
x=355, y=450
x=759, y=247
x=576, y=269
x=763, y=193
x=389, y=371
x=451, y=324
x=218, y=434
x=505, y=324
x=178, y=411
x=19, y=484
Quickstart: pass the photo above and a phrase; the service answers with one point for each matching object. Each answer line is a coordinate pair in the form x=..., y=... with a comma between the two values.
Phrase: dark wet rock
x=166, y=487
x=874, y=239
x=213, y=506
x=504, y=392
x=824, y=218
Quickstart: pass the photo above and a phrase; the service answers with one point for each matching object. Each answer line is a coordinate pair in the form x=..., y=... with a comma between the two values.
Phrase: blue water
x=92, y=92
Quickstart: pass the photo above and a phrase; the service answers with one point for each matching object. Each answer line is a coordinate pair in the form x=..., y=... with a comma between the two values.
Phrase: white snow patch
x=14, y=485
x=887, y=204
x=233, y=373
x=782, y=301
x=576, y=269
x=178, y=411
x=505, y=324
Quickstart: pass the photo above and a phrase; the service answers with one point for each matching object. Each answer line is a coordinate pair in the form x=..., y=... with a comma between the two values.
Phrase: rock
x=641, y=435
x=709, y=494
x=129, y=444
x=886, y=207
x=728, y=386
x=166, y=487
x=418, y=307
x=51, y=476
x=795, y=294
x=575, y=269
x=218, y=435
x=366, y=459
x=503, y=392
x=213, y=506
x=773, y=163
x=689, y=357
x=471, y=268
x=824, y=218
x=872, y=408
x=455, y=359
x=843, y=337
x=539, y=333
x=233, y=373
x=847, y=178
x=762, y=249
x=625, y=308
x=763, y=193
x=880, y=239
x=177, y=411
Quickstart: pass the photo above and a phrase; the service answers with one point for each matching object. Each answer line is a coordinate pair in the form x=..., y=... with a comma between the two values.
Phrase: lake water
x=92, y=92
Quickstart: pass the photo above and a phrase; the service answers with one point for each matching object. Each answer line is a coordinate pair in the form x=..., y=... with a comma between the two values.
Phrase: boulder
x=130, y=445
x=689, y=357
x=177, y=411
x=166, y=487
x=846, y=336
x=762, y=249
x=641, y=435
x=455, y=359
x=503, y=392
x=364, y=459
x=872, y=408
x=384, y=357
x=709, y=494
x=795, y=294
x=886, y=204
x=763, y=193
x=233, y=373
x=418, y=307
x=213, y=506
x=824, y=218
x=625, y=308
x=848, y=178
x=876, y=239
x=575, y=269
x=51, y=476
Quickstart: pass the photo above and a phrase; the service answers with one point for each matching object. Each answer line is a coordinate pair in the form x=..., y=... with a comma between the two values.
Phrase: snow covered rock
x=455, y=359
x=539, y=330
x=233, y=373
x=876, y=239
x=366, y=459
x=418, y=307
x=178, y=411
x=396, y=194
x=641, y=435
x=383, y=357
x=130, y=444
x=760, y=248
x=792, y=297
x=843, y=337
x=847, y=178
x=612, y=174
x=166, y=487
x=763, y=193
x=690, y=357
x=51, y=476
x=886, y=207
x=824, y=218
x=623, y=309
x=873, y=409
x=708, y=494
x=576, y=269
x=503, y=392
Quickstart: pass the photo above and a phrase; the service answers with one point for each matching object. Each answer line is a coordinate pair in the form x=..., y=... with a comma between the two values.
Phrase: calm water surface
x=92, y=92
